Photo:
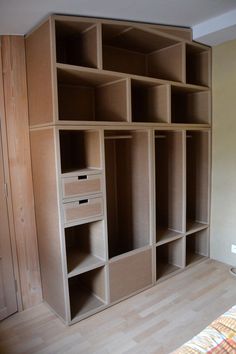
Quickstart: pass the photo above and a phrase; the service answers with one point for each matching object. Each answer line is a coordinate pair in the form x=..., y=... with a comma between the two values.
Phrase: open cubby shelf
x=86, y=96
x=197, y=179
x=136, y=51
x=189, y=106
x=169, y=168
x=197, y=65
x=196, y=246
x=127, y=185
x=76, y=43
x=85, y=247
x=79, y=150
x=87, y=292
x=169, y=258
x=149, y=102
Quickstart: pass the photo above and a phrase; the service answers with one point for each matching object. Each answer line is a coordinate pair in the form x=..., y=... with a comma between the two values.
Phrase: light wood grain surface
x=155, y=321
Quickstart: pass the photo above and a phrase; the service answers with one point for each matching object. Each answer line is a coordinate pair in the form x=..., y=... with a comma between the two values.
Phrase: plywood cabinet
x=121, y=158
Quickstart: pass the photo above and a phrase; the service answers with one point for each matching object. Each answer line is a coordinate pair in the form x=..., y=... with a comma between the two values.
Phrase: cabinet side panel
x=45, y=191
x=39, y=75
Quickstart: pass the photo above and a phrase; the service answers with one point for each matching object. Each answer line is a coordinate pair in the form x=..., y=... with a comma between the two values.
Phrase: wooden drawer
x=81, y=185
x=82, y=209
x=130, y=274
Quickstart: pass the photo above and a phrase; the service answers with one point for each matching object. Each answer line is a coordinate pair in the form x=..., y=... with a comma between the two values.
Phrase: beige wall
x=223, y=214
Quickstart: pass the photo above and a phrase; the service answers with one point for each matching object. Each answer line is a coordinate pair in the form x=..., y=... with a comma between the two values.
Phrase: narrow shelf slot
x=136, y=51
x=87, y=292
x=197, y=65
x=76, y=43
x=127, y=185
x=91, y=97
x=169, y=258
x=197, y=179
x=79, y=150
x=85, y=247
x=169, y=172
x=196, y=246
x=189, y=106
x=149, y=102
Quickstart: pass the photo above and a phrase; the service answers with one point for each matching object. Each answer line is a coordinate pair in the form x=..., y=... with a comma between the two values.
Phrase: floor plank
x=155, y=322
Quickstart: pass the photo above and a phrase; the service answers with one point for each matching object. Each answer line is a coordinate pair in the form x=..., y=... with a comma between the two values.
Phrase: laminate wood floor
x=155, y=321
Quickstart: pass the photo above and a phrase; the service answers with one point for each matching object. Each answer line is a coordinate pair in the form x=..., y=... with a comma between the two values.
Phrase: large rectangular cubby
x=119, y=116
x=127, y=162
x=91, y=97
x=197, y=179
x=169, y=185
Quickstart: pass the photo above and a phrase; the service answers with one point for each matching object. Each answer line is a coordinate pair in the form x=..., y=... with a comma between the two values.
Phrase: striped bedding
x=218, y=338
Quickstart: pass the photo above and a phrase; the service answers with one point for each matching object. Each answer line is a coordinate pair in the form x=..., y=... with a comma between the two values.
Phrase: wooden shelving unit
x=120, y=117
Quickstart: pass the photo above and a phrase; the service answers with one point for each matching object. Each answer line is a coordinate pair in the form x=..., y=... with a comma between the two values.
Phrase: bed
x=218, y=338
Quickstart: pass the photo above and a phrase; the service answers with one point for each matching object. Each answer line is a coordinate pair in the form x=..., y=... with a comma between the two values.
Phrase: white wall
x=223, y=215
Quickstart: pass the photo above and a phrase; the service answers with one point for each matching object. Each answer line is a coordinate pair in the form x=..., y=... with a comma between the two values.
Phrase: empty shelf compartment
x=80, y=150
x=197, y=179
x=169, y=258
x=197, y=246
x=197, y=65
x=169, y=173
x=190, y=106
x=127, y=184
x=76, y=43
x=87, y=292
x=141, y=52
x=150, y=102
x=85, y=247
x=89, y=96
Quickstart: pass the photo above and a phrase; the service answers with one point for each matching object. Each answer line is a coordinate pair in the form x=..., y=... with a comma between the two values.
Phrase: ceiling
x=212, y=21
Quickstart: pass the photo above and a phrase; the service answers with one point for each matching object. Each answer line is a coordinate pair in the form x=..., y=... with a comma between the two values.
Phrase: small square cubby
x=169, y=258
x=87, y=292
x=76, y=43
x=198, y=65
x=85, y=247
x=197, y=245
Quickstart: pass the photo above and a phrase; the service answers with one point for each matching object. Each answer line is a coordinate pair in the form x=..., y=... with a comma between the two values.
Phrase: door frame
x=8, y=187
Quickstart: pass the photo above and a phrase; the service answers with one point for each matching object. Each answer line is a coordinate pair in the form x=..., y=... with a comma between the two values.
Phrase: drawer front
x=81, y=185
x=83, y=209
x=130, y=274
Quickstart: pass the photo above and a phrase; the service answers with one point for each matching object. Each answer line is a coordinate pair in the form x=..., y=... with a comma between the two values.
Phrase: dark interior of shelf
x=196, y=246
x=84, y=245
x=76, y=43
x=169, y=176
x=149, y=102
x=96, y=98
x=197, y=65
x=79, y=150
x=169, y=258
x=197, y=176
x=87, y=292
x=190, y=107
x=136, y=51
x=127, y=185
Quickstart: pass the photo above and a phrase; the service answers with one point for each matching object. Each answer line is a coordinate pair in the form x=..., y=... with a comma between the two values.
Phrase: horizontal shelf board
x=84, y=221
x=80, y=172
x=83, y=302
x=80, y=262
x=129, y=253
x=104, y=76
x=194, y=226
x=165, y=235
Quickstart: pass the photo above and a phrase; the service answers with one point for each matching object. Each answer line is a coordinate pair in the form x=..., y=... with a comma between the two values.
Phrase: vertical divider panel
x=61, y=224
x=153, y=201
x=128, y=100
x=184, y=64
x=54, y=69
x=184, y=181
x=103, y=167
x=99, y=46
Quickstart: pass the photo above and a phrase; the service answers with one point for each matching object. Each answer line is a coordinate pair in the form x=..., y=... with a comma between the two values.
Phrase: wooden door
x=8, y=301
